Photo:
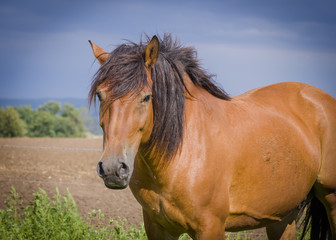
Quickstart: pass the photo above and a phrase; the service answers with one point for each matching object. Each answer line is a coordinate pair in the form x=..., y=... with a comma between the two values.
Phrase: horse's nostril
x=123, y=170
x=100, y=169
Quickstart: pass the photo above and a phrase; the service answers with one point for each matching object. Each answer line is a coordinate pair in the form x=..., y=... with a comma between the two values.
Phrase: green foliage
x=26, y=114
x=10, y=123
x=306, y=237
x=58, y=218
x=185, y=237
x=73, y=115
x=43, y=219
x=122, y=231
x=237, y=236
x=52, y=107
x=50, y=120
x=65, y=127
x=2, y=121
x=43, y=125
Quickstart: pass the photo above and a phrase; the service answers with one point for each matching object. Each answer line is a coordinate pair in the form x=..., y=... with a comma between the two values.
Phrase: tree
x=43, y=125
x=65, y=127
x=52, y=107
x=48, y=121
x=2, y=120
x=27, y=115
x=11, y=124
x=69, y=112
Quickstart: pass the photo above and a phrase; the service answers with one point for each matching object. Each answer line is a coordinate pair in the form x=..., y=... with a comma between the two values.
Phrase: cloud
x=240, y=68
x=44, y=49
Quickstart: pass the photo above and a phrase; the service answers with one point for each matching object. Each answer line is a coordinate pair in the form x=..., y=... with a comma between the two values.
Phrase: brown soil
x=32, y=163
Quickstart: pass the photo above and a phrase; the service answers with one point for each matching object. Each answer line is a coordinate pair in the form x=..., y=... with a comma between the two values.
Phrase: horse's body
x=242, y=163
x=264, y=157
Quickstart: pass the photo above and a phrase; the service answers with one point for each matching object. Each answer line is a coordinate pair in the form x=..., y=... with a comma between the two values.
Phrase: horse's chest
x=161, y=210
x=149, y=200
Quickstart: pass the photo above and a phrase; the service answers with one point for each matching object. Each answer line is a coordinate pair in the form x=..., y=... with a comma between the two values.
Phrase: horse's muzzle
x=115, y=176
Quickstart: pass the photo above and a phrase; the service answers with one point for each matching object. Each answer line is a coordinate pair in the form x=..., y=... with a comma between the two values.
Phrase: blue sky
x=44, y=50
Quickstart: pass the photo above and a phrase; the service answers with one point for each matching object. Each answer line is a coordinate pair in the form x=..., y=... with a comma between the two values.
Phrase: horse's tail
x=315, y=220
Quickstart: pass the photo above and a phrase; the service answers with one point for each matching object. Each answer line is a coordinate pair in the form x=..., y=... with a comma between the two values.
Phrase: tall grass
x=58, y=218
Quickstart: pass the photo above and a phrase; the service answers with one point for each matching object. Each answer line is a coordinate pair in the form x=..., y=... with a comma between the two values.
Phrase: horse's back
x=314, y=107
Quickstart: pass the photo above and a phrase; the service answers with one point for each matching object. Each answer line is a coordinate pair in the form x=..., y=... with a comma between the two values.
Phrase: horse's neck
x=198, y=106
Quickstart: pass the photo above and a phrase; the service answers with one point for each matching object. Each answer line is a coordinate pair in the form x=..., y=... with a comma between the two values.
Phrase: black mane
x=124, y=72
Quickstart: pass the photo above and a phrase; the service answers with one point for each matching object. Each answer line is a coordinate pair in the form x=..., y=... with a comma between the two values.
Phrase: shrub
x=43, y=125
x=58, y=218
x=52, y=107
x=48, y=121
x=10, y=123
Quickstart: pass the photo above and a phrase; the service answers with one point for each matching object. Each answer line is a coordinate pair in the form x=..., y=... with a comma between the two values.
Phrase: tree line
x=49, y=120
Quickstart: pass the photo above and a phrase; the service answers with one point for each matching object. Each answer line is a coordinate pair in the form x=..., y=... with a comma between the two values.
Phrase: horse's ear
x=99, y=53
x=152, y=52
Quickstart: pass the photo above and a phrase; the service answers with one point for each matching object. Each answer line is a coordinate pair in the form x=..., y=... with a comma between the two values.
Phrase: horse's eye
x=99, y=96
x=146, y=99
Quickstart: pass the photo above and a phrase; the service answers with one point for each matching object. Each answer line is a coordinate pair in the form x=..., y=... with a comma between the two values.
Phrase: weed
x=58, y=218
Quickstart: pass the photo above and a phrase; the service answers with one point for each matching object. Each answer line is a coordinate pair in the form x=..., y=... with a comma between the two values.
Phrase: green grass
x=58, y=218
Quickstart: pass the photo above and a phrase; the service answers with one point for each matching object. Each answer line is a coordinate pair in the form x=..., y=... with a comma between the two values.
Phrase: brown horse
x=200, y=162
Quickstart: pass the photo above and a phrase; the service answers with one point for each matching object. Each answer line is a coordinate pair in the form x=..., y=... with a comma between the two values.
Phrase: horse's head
x=142, y=90
x=126, y=113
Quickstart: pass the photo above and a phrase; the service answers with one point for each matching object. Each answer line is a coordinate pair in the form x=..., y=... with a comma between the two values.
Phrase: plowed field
x=29, y=164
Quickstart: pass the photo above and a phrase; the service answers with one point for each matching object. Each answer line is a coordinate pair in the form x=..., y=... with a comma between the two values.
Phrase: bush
x=26, y=114
x=43, y=125
x=72, y=115
x=48, y=121
x=52, y=107
x=58, y=218
x=65, y=127
x=10, y=123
